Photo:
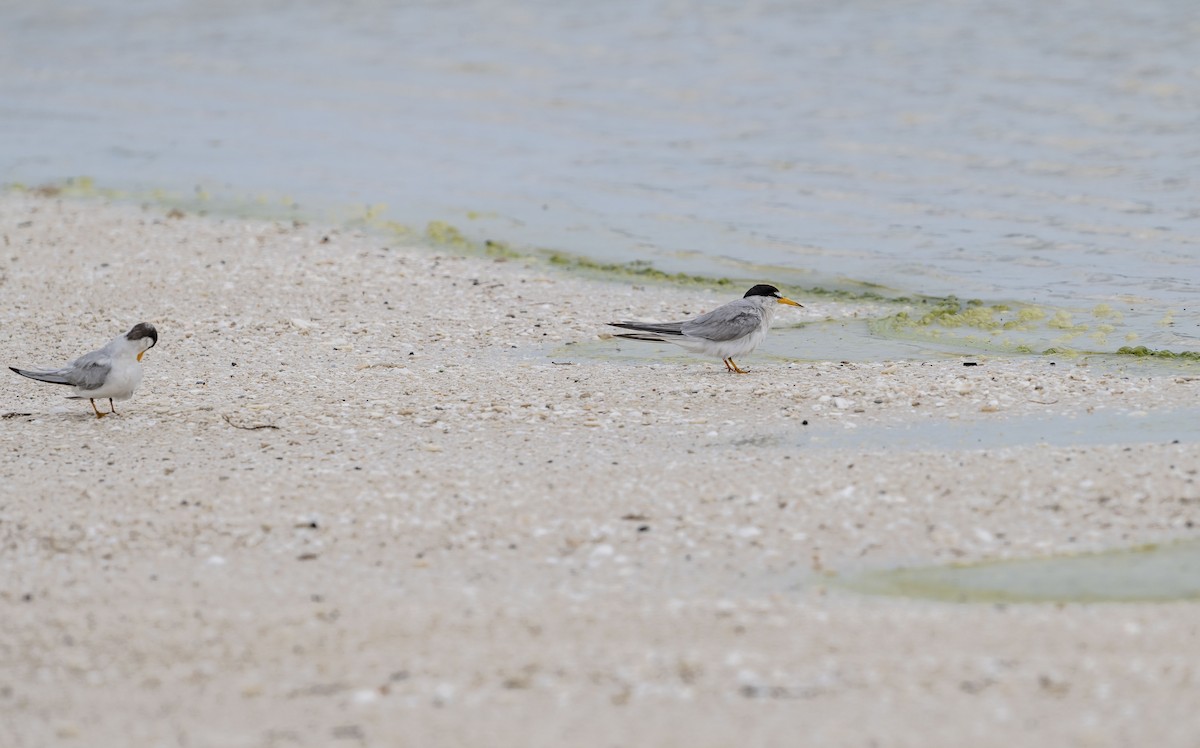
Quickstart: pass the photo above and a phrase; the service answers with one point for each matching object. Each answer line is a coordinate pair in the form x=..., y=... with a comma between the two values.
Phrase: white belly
x=120, y=384
x=726, y=348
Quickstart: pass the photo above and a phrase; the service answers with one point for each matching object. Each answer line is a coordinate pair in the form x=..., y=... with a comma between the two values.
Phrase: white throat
x=768, y=308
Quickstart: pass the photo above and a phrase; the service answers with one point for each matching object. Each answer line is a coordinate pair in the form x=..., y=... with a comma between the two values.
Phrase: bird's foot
x=98, y=413
x=735, y=368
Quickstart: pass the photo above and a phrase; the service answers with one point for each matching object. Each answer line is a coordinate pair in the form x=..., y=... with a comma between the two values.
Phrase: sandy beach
x=361, y=499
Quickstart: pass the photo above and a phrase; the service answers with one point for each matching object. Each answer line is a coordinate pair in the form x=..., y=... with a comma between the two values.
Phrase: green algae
x=973, y=324
x=951, y=313
x=1014, y=329
x=78, y=187
x=1062, y=352
x=1062, y=321
x=940, y=323
x=1142, y=351
x=639, y=269
x=199, y=201
x=1025, y=318
x=443, y=234
x=1148, y=573
x=501, y=249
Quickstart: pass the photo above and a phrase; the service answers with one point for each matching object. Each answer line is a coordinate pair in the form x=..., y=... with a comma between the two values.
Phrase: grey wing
x=730, y=322
x=89, y=371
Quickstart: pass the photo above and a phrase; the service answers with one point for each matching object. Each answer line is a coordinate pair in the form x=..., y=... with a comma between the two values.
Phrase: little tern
x=112, y=372
x=731, y=330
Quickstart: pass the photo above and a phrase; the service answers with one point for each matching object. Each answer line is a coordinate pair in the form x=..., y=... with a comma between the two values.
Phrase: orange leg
x=98, y=413
x=727, y=366
x=736, y=368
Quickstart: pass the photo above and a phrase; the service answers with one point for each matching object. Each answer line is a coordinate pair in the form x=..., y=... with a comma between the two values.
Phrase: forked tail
x=53, y=377
x=666, y=328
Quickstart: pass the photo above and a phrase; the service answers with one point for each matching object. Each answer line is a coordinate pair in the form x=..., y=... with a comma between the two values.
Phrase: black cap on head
x=762, y=289
x=143, y=330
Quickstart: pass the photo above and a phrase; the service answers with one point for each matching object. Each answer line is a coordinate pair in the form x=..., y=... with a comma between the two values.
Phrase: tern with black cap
x=112, y=372
x=734, y=329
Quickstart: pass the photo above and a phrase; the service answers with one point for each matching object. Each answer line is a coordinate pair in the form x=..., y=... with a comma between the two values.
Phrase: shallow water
x=1153, y=573
x=1023, y=153
x=853, y=340
x=835, y=340
x=981, y=432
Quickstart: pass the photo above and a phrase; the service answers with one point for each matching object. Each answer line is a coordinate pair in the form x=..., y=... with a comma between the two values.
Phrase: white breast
x=122, y=380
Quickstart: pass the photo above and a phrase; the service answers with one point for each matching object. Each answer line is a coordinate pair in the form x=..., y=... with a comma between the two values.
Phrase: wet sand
x=355, y=501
